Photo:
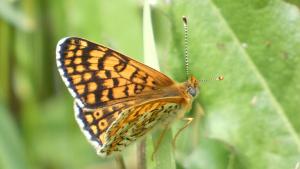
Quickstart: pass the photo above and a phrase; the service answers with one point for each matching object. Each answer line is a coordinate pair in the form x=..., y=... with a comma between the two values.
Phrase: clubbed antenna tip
x=220, y=78
x=184, y=20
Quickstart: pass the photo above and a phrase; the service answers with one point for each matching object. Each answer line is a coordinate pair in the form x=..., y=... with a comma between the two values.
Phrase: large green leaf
x=254, y=44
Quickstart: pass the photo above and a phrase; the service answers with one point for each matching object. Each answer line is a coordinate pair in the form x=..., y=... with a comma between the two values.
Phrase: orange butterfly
x=118, y=99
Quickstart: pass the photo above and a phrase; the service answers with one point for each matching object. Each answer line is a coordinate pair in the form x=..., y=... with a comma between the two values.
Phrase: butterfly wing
x=98, y=76
x=137, y=121
x=104, y=84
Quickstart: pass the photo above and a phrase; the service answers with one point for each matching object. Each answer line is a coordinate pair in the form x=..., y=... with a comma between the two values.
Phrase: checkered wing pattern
x=137, y=121
x=97, y=76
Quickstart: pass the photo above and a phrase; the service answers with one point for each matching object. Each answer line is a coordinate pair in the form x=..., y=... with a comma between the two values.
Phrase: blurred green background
x=252, y=118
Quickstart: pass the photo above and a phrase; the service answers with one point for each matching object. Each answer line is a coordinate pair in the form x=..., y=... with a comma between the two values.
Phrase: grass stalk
x=163, y=158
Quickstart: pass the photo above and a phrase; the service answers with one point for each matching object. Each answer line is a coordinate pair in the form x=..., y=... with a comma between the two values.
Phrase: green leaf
x=254, y=44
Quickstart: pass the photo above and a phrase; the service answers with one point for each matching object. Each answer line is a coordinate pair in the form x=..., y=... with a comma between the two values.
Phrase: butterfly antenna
x=213, y=79
x=185, y=26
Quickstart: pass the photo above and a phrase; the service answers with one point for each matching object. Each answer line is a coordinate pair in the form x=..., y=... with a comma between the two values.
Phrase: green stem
x=163, y=159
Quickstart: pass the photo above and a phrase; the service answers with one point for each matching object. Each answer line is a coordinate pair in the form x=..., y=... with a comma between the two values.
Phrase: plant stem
x=120, y=161
x=141, y=152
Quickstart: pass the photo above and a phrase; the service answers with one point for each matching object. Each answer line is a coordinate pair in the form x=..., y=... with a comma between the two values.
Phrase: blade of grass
x=12, y=153
x=4, y=61
x=163, y=158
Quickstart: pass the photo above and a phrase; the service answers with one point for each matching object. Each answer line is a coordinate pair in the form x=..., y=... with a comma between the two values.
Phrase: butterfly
x=118, y=99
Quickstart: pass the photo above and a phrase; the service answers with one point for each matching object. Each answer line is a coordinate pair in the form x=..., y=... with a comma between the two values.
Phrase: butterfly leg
x=161, y=136
x=189, y=120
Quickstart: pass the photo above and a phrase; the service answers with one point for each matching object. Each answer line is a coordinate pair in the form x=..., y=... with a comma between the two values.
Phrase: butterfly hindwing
x=97, y=75
x=138, y=120
x=96, y=122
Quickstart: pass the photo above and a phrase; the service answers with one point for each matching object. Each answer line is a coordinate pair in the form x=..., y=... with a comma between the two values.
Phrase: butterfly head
x=192, y=86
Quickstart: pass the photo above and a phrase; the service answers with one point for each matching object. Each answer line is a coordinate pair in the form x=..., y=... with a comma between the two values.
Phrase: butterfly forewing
x=97, y=75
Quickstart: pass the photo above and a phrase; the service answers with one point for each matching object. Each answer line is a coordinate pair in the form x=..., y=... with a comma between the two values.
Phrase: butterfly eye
x=192, y=91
